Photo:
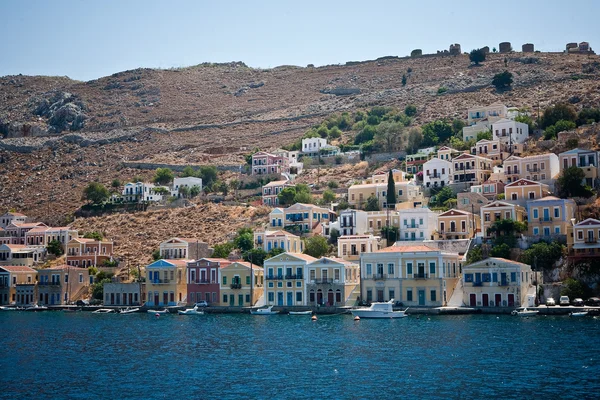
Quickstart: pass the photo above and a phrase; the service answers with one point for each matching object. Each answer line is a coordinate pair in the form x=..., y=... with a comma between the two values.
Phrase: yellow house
x=447, y=153
x=333, y=282
x=586, y=160
x=499, y=210
x=550, y=216
x=237, y=287
x=350, y=247
x=269, y=240
x=285, y=276
x=301, y=218
x=584, y=242
x=62, y=284
x=471, y=168
x=457, y=224
x=524, y=189
x=417, y=275
x=166, y=283
x=10, y=277
x=540, y=167
x=405, y=192
x=399, y=176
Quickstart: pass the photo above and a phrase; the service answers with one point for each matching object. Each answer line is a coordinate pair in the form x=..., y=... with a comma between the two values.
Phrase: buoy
x=157, y=315
x=314, y=317
x=357, y=318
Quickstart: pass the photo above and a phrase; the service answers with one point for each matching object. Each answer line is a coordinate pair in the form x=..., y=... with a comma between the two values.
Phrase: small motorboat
x=379, y=310
x=36, y=307
x=191, y=311
x=165, y=311
x=104, y=311
x=263, y=311
x=308, y=312
x=70, y=310
x=578, y=314
x=3, y=308
x=525, y=312
x=129, y=310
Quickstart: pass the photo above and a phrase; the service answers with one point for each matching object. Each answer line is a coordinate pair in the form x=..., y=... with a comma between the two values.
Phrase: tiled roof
x=407, y=249
x=178, y=262
x=302, y=256
x=453, y=212
x=523, y=182
x=17, y=268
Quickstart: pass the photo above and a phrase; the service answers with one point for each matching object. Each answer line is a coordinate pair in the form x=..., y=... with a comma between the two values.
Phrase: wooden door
x=485, y=300
x=498, y=299
x=472, y=299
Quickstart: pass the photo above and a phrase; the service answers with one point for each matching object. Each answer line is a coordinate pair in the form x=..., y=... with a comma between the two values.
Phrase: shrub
x=442, y=90
x=410, y=110
x=557, y=113
x=587, y=116
x=476, y=56
x=403, y=80
x=502, y=80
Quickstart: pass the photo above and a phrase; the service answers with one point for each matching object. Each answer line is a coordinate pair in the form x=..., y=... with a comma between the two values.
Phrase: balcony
x=292, y=218
x=294, y=276
x=159, y=281
x=236, y=286
x=274, y=277
x=323, y=281
x=379, y=277
x=590, y=240
x=546, y=219
x=420, y=275
x=503, y=283
x=478, y=283
x=411, y=226
x=48, y=283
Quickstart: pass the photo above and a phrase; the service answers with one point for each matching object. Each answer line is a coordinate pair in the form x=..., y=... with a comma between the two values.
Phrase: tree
x=569, y=184
x=95, y=193
x=502, y=80
x=93, y=235
x=388, y=134
x=56, y=248
x=195, y=191
x=390, y=233
x=163, y=176
x=410, y=110
x=560, y=111
x=328, y=196
x=526, y=119
x=439, y=198
x=156, y=255
x=474, y=255
x=502, y=250
x=415, y=138
x=365, y=135
x=372, y=204
x=403, y=80
x=189, y=171
x=574, y=289
x=275, y=252
x=476, y=56
x=257, y=256
x=244, y=242
x=208, y=173
x=487, y=135
x=588, y=116
x=184, y=191
x=543, y=255
x=115, y=184
x=316, y=246
x=436, y=132
x=286, y=196
x=303, y=197
x=334, y=234
x=391, y=191
x=222, y=250
x=457, y=126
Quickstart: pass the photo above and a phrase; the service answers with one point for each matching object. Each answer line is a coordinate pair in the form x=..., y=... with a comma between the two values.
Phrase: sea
x=58, y=355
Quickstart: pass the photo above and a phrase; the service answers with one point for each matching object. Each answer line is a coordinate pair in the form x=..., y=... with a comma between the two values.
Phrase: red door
x=473, y=299
x=156, y=299
x=485, y=300
x=498, y=300
x=330, y=298
x=511, y=300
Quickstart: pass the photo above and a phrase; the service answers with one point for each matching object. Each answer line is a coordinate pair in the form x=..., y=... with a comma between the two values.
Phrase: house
x=492, y=149
x=437, y=173
x=417, y=224
x=447, y=153
x=62, y=284
x=187, y=182
x=522, y=190
x=88, y=252
x=241, y=284
x=16, y=231
x=271, y=190
x=316, y=145
x=350, y=247
x=166, y=283
x=489, y=189
x=333, y=282
x=417, y=275
x=550, y=216
x=12, y=276
x=470, y=168
x=586, y=160
x=42, y=235
x=584, y=241
x=203, y=280
x=377, y=220
x=382, y=177
x=9, y=217
x=137, y=192
x=269, y=240
x=496, y=282
x=497, y=211
x=493, y=113
x=414, y=163
x=351, y=222
x=405, y=192
x=188, y=248
x=470, y=132
x=470, y=201
x=293, y=157
x=122, y=294
x=301, y=218
x=457, y=224
x=264, y=163
x=20, y=254
x=509, y=132
x=285, y=276
x=538, y=168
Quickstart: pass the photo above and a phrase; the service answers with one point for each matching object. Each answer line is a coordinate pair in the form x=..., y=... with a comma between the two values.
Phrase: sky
x=88, y=39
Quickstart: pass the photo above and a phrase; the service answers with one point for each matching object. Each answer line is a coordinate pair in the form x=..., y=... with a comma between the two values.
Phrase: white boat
x=129, y=310
x=525, y=312
x=264, y=311
x=104, y=311
x=165, y=311
x=379, y=310
x=578, y=314
x=3, y=308
x=36, y=307
x=308, y=312
x=191, y=311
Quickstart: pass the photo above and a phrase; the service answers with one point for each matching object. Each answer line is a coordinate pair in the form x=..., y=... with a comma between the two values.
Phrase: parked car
x=202, y=303
x=564, y=301
x=593, y=301
x=81, y=303
x=550, y=302
x=577, y=302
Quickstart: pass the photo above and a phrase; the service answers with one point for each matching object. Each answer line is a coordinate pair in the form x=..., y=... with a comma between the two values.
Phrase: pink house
x=264, y=163
x=203, y=280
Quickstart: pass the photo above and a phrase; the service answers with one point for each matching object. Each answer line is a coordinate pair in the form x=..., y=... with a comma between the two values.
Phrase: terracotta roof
x=549, y=198
x=189, y=240
x=302, y=256
x=15, y=246
x=407, y=249
x=17, y=268
x=453, y=212
x=29, y=224
x=215, y=259
x=178, y=262
x=276, y=183
x=523, y=182
x=278, y=233
x=16, y=214
x=84, y=240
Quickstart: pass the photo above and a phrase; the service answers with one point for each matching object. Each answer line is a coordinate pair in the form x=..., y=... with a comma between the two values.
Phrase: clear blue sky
x=90, y=39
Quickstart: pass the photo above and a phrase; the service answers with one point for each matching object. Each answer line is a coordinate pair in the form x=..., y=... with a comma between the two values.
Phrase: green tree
x=189, y=171
x=588, y=116
x=287, y=195
x=574, y=289
x=410, y=110
x=388, y=135
x=476, y=56
x=560, y=111
x=332, y=185
x=208, y=173
x=365, y=135
x=303, y=197
x=328, y=196
x=257, y=256
x=372, y=204
x=195, y=191
x=390, y=233
x=275, y=252
x=93, y=235
x=487, y=135
x=334, y=234
x=391, y=191
x=222, y=250
x=569, y=184
x=436, y=132
x=156, y=255
x=163, y=176
x=403, y=80
x=457, y=126
x=502, y=250
x=441, y=196
x=415, y=138
x=184, y=191
x=55, y=248
x=116, y=184
x=543, y=255
x=474, y=255
x=316, y=246
x=95, y=193
x=502, y=80
x=244, y=242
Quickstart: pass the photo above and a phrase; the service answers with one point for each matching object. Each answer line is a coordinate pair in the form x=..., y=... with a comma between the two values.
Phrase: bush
x=403, y=80
x=557, y=113
x=96, y=193
x=587, y=116
x=502, y=80
x=410, y=110
x=476, y=56
x=163, y=176
x=442, y=90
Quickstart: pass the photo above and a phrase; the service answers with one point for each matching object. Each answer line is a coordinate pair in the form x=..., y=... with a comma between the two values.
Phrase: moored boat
x=36, y=307
x=379, y=310
x=129, y=310
x=263, y=311
x=307, y=312
x=165, y=311
x=578, y=314
x=525, y=312
x=104, y=311
x=191, y=311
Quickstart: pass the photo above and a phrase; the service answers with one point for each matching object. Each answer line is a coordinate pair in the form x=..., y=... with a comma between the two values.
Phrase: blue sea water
x=54, y=355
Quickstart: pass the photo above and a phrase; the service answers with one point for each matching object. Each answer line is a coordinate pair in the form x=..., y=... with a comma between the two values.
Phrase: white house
x=509, y=132
x=492, y=113
x=351, y=222
x=188, y=182
x=417, y=224
x=437, y=172
x=140, y=191
x=470, y=132
x=313, y=146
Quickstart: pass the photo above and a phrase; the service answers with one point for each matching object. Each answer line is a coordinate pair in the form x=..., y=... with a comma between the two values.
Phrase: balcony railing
x=294, y=276
x=159, y=281
x=546, y=219
x=48, y=283
x=589, y=240
x=274, y=277
x=323, y=281
x=411, y=226
x=420, y=275
x=294, y=219
x=503, y=283
x=236, y=285
x=478, y=283
x=379, y=277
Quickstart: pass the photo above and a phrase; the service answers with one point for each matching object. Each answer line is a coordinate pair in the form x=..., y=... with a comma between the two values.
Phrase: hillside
x=214, y=114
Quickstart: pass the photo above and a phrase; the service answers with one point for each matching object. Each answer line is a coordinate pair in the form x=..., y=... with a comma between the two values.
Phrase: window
x=299, y=296
x=468, y=277
x=80, y=278
x=556, y=212
x=391, y=269
x=369, y=269
x=485, y=277
x=248, y=280
x=432, y=268
x=247, y=298
x=494, y=277
x=536, y=231
x=513, y=276
x=225, y=282
x=409, y=295
x=288, y=284
x=580, y=235
x=392, y=294
x=270, y=284
x=557, y=229
x=270, y=295
x=409, y=270
x=535, y=213
x=224, y=298
x=369, y=295
x=298, y=283
x=433, y=295
x=513, y=196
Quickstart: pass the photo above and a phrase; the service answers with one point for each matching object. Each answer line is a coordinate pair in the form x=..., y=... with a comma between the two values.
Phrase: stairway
x=457, y=296
x=354, y=293
x=83, y=292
